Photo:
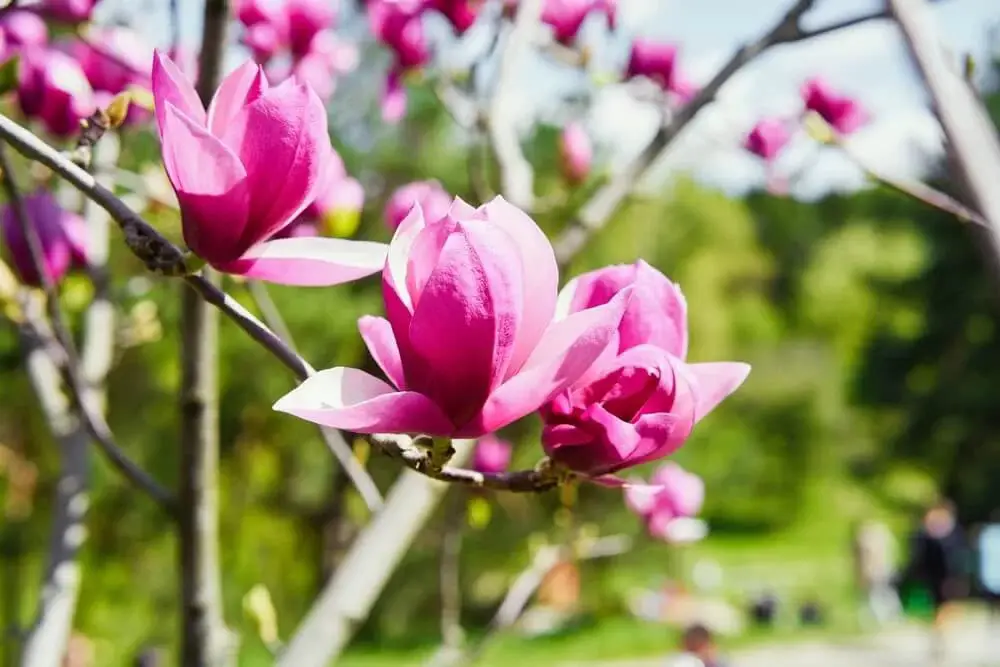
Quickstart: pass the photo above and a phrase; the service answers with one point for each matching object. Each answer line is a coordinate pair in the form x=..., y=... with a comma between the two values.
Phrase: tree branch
x=516, y=175
x=68, y=361
x=971, y=137
x=601, y=207
x=205, y=639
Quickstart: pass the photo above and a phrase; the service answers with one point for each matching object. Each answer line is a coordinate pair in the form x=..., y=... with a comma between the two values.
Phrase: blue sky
x=867, y=61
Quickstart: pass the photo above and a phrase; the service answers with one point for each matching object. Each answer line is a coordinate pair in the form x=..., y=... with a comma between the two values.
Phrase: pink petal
x=240, y=88
x=351, y=399
x=714, y=381
x=464, y=325
x=310, y=261
x=393, y=99
x=282, y=141
x=541, y=274
x=567, y=349
x=640, y=497
x=657, y=314
x=211, y=186
x=171, y=86
x=381, y=343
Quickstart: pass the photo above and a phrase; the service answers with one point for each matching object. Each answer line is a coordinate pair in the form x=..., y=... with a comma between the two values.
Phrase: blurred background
x=870, y=320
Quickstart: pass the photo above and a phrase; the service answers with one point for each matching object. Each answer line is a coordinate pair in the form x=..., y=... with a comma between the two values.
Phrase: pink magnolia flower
x=69, y=11
x=265, y=41
x=575, y=152
x=340, y=196
x=491, y=455
x=767, y=138
x=658, y=62
x=567, y=16
x=114, y=58
x=641, y=400
x=21, y=30
x=669, y=504
x=246, y=169
x=843, y=113
x=252, y=12
x=397, y=24
x=468, y=344
x=53, y=88
x=306, y=19
x=327, y=59
x=433, y=199
x=461, y=14
x=62, y=235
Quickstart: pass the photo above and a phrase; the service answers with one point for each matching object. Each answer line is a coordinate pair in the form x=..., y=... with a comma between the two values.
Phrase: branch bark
x=601, y=207
x=205, y=641
x=516, y=174
x=971, y=138
x=47, y=640
x=347, y=599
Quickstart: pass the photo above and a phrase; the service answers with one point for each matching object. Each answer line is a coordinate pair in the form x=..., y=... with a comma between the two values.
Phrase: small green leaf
x=9, y=71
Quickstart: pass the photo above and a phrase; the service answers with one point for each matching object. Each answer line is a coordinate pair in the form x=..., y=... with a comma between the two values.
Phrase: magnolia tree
x=475, y=332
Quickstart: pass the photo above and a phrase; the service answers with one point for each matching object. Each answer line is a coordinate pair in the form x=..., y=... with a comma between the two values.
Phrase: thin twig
x=362, y=481
x=600, y=208
x=93, y=419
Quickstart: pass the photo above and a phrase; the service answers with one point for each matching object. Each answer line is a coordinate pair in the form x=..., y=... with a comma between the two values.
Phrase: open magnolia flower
x=468, y=344
x=641, y=400
x=246, y=169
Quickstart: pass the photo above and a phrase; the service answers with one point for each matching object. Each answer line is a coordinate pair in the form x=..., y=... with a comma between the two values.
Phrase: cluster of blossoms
x=61, y=82
x=475, y=335
x=842, y=113
x=296, y=38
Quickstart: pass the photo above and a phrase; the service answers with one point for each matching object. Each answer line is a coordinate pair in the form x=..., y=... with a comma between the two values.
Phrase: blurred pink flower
x=673, y=494
x=114, y=58
x=767, y=138
x=398, y=25
x=575, y=152
x=434, y=201
x=567, y=16
x=468, y=344
x=62, y=235
x=306, y=19
x=491, y=455
x=641, y=399
x=69, y=11
x=246, y=169
x=658, y=62
x=54, y=89
x=843, y=113
x=22, y=29
x=461, y=14
x=339, y=195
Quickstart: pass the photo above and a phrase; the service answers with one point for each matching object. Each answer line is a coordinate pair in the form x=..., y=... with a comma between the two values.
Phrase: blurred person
x=938, y=562
x=764, y=609
x=874, y=552
x=79, y=651
x=698, y=648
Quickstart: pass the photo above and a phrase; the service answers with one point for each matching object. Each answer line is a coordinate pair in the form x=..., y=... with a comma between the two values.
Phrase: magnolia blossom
x=54, y=89
x=20, y=30
x=843, y=113
x=337, y=208
x=245, y=170
x=673, y=495
x=468, y=344
x=114, y=58
x=641, y=400
x=575, y=152
x=306, y=19
x=434, y=202
x=70, y=11
x=491, y=455
x=461, y=14
x=62, y=235
x=398, y=25
x=767, y=138
x=567, y=16
x=658, y=62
